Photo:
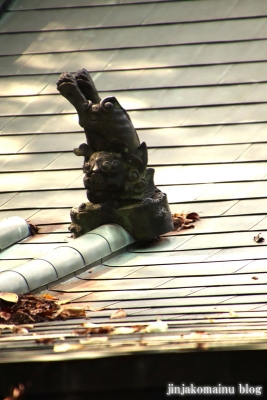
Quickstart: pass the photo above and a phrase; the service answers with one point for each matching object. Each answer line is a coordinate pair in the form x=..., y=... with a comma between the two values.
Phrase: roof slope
x=193, y=76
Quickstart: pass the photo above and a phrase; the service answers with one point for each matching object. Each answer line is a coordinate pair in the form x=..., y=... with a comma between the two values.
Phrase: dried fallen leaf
x=30, y=309
x=188, y=226
x=83, y=332
x=184, y=221
x=118, y=314
x=158, y=326
x=16, y=328
x=103, y=329
x=10, y=297
x=62, y=348
x=3, y=326
x=194, y=216
x=254, y=278
x=121, y=330
x=259, y=238
x=33, y=229
x=48, y=296
x=61, y=302
x=19, y=329
x=90, y=328
x=139, y=328
x=27, y=326
x=70, y=312
x=4, y=315
x=98, y=329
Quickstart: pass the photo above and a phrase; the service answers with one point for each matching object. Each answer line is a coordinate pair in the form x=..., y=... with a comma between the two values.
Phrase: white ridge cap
x=65, y=259
x=12, y=230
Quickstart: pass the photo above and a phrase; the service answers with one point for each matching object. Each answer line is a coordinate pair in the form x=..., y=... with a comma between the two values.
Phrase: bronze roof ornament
x=120, y=187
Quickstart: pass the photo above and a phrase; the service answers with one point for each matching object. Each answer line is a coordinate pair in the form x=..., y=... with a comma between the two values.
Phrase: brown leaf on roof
x=91, y=328
x=10, y=297
x=118, y=314
x=33, y=229
x=184, y=221
x=70, y=312
x=4, y=315
x=20, y=329
x=194, y=216
x=32, y=309
x=62, y=348
x=16, y=328
x=123, y=330
x=139, y=328
x=49, y=297
x=158, y=326
x=259, y=238
x=98, y=329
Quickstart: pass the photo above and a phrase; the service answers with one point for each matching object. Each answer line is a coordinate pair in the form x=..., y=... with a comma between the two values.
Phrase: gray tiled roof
x=193, y=76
